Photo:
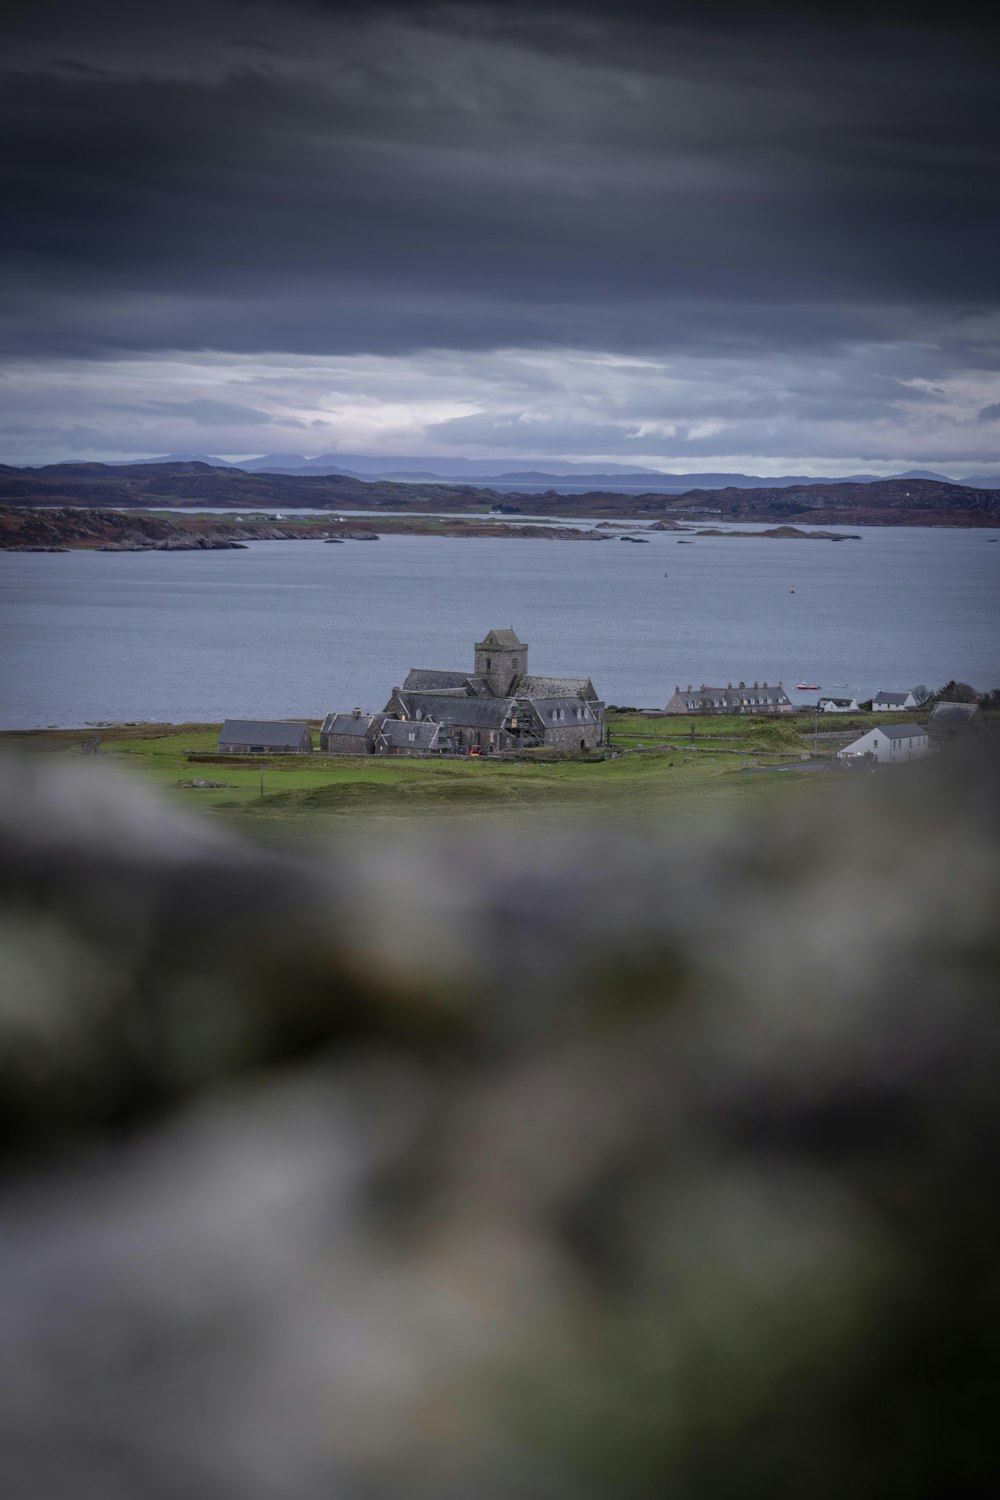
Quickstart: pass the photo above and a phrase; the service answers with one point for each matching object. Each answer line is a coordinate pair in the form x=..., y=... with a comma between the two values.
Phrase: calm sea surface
x=298, y=628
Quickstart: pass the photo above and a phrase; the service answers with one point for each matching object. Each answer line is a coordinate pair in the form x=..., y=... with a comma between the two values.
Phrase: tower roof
x=500, y=638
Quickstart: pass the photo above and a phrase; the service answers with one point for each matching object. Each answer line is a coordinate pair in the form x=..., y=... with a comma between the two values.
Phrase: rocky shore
x=67, y=529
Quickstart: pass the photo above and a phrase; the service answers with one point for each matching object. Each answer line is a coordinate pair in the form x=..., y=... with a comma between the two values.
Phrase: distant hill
x=532, y=476
x=880, y=502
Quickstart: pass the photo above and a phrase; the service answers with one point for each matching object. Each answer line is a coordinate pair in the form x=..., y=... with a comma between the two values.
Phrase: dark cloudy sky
x=689, y=235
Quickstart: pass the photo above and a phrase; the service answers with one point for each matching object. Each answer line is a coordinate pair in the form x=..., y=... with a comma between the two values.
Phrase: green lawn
x=301, y=792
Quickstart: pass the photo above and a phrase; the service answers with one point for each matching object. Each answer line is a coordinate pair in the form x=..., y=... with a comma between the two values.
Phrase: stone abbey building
x=497, y=706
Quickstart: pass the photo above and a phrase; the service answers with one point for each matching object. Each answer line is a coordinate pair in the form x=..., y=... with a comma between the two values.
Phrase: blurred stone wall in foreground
x=478, y=1165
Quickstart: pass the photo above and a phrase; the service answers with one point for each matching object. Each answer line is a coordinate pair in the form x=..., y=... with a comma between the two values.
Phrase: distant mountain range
x=898, y=501
x=530, y=477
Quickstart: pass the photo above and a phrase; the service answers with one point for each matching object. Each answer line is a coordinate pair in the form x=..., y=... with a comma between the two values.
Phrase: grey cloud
x=207, y=412
x=989, y=413
x=746, y=187
x=379, y=203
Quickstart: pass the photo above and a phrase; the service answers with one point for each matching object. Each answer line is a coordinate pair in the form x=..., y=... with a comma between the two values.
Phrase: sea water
x=301, y=627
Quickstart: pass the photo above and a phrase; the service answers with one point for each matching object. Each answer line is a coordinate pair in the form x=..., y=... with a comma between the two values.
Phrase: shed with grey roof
x=264, y=737
x=955, y=718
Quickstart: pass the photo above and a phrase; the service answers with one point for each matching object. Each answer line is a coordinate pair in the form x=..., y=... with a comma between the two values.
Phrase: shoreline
x=92, y=529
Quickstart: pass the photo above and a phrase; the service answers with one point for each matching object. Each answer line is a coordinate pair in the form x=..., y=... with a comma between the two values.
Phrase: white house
x=891, y=703
x=847, y=704
x=890, y=746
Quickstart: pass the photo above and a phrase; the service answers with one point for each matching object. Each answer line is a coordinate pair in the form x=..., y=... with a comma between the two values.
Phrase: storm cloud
x=790, y=222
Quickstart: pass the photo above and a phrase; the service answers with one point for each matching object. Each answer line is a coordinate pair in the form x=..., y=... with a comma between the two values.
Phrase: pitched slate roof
x=449, y=708
x=831, y=698
x=480, y=713
x=501, y=638
x=408, y=734
x=554, y=687
x=760, y=695
x=575, y=710
x=425, y=679
x=953, y=715
x=893, y=700
x=269, y=732
x=901, y=731
x=354, y=725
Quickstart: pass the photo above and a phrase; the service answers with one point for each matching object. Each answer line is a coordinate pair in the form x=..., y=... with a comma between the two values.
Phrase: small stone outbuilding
x=264, y=737
x=350, y=734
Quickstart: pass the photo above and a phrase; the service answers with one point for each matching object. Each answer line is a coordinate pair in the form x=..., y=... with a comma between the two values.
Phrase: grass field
x=300, y=792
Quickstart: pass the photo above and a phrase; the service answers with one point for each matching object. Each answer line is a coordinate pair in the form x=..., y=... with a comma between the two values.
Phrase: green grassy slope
x=299, y=791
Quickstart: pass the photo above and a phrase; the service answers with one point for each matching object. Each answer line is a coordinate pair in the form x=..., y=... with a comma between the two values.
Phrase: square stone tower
x=501, y=658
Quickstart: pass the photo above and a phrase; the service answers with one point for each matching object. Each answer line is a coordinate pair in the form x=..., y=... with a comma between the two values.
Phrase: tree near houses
x=957, y=692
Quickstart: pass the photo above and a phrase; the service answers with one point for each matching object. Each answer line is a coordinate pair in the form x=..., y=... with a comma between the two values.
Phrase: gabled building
x=884, y=703
x=891, y=744
x=955, y=718
x=758, y=699
x=500, y=670
x=496, y=706
x=407, y=737
x=350, y=734
x=264, y=737
x=565, y=722
x=831, y=704
x=469, y=721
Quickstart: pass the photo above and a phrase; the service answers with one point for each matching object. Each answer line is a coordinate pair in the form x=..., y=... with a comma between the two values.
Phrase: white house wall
x=885, y=750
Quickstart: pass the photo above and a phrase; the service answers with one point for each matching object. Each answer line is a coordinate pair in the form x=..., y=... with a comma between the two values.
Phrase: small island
x=74, y=529
x=785, y=533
